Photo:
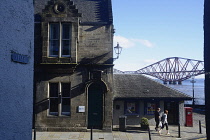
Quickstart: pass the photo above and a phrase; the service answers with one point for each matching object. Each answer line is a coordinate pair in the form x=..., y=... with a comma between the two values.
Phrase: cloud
x=146, y=43
x=128, y=43
x=123, y=42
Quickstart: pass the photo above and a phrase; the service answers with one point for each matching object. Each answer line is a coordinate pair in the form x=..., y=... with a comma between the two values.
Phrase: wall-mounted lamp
x=117, y=50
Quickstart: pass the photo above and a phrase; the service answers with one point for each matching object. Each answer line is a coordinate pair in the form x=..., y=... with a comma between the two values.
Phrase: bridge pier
x=174, y=82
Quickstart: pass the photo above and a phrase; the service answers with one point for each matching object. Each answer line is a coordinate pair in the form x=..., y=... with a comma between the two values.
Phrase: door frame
x=104, y=91
x=173, y=111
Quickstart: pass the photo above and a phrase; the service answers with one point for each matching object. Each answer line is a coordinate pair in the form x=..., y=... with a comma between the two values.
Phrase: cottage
x=137, y=96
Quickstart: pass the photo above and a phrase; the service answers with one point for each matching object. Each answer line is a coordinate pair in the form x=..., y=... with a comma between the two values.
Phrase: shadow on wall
x=101, y=11
x=44, y=104
x=78, y=89
x=41, y=106
x=92, y=28
x=97, y=59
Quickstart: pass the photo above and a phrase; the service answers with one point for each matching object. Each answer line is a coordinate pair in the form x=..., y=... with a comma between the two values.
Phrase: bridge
x=172, y=69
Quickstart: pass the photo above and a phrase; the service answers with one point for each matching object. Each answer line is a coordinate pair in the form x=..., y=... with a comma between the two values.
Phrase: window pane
x=151, y=108
x=66, y=37
x=131, y=108
x=66, y=31
x=54, y=105
x=53, y=89
x=54, y=47
x=66, y=105
x=54, y=31
x=65, y=89
x=66, y=47
x=54, y=39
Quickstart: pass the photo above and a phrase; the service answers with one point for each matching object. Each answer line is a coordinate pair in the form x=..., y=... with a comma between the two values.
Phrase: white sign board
x=81, y=109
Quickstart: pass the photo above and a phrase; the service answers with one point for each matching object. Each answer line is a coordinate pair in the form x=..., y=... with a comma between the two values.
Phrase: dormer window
x=60, y=39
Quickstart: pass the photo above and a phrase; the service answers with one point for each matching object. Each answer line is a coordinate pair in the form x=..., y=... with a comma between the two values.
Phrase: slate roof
x=93, y=11
x=139, y=86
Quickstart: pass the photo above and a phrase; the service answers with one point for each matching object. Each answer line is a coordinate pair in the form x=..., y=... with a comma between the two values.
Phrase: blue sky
x=152, y=30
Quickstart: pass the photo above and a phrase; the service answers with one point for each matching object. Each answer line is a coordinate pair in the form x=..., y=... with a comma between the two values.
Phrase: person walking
x=164, y=122
x=157, y=118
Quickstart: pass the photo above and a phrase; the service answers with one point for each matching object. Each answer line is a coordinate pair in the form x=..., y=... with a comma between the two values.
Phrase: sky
x=152, y=30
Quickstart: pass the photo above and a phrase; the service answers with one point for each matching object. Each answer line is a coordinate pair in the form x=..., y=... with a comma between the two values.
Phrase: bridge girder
x=172, y=69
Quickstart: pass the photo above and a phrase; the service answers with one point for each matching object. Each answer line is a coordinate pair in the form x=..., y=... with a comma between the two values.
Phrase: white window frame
x=60, y=101
x=60, y=39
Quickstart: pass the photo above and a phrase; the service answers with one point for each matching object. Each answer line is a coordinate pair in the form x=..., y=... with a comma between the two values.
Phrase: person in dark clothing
x=157, y=118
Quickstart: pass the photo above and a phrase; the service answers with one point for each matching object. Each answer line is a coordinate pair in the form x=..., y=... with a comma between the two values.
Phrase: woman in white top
x=164, y=122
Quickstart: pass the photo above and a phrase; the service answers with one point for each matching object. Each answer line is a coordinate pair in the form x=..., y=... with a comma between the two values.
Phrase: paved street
x=199, y=138
x=187, y=133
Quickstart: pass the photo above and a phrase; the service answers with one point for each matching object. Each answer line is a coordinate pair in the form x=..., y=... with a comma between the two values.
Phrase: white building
x=16, y=69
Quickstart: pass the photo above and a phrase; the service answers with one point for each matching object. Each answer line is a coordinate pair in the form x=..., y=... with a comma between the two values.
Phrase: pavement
x=186, y=133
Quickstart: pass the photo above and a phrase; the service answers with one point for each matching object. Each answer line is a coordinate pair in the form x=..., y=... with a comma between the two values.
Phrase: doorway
x=95, y=106
x=173, y=112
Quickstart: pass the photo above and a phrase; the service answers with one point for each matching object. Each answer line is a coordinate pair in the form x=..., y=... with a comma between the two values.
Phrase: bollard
x=200, y=131
x=34, y=133
x=112, y=124
x=149, y=133
x=179, y=135
x=91, y=133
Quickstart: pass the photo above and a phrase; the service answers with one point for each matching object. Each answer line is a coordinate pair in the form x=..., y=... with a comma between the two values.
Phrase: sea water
x=187, y=88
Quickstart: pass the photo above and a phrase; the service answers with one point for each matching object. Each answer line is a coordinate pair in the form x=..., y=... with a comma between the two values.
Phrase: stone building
x=137, y=96
x=73, y=65
x=74, y=88
x=16, y=69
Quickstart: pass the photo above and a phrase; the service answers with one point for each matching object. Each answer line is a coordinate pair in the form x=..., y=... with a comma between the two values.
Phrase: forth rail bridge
x=171, y=70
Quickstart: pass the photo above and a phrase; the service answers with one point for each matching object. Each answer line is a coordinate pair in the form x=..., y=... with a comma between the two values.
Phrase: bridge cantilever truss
x=173, y=69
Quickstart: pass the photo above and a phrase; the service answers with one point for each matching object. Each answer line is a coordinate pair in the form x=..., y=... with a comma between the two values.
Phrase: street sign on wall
x=19, y=58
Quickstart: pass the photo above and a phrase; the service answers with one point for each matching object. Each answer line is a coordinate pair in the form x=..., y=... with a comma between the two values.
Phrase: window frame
x=60, y=39
x=62, y=97
x=49, y=97
x=60, y=100
x=136, y=107
x=150, y=110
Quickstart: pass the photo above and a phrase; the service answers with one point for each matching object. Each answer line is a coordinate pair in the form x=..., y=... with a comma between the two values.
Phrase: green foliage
x=144, y=121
